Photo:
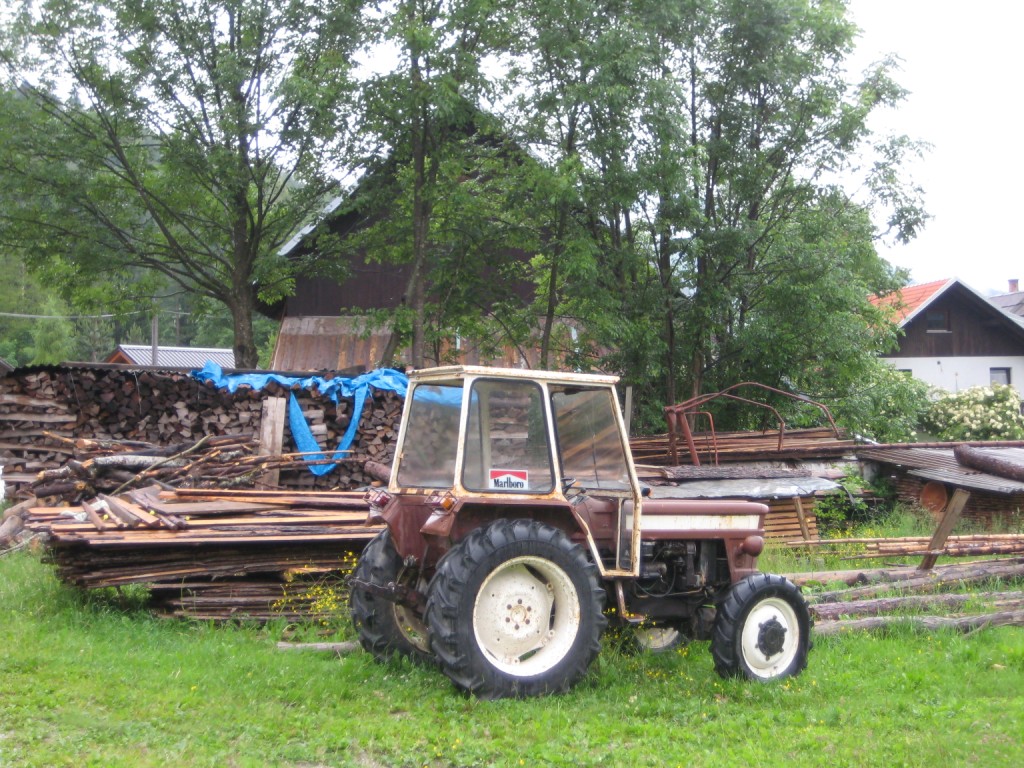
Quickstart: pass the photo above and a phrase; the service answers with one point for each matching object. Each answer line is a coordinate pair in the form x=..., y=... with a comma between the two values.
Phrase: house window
x=999, y=376
x=937, y=321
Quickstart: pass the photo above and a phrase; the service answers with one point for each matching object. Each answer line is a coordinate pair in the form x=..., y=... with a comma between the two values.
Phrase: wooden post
x=804, y=530
x=272, y=434
x=946, y=525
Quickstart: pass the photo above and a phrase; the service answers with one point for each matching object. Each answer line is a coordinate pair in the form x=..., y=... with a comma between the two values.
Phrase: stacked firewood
x=44, y=413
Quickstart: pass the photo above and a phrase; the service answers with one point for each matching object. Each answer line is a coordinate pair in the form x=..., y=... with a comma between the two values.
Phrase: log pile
x=917, y=546
x=907, y=597
x=44, y=412
x=209, y=554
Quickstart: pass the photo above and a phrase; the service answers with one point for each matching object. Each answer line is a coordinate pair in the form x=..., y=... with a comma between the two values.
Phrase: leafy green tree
x=22, y=301
x=764, y=254
x=686, y=198
x=53, y=337
x=185, y=137
x=884, y=405
x=417, y=117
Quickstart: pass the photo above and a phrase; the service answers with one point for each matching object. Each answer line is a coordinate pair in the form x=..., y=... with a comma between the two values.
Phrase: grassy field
x=85, y=681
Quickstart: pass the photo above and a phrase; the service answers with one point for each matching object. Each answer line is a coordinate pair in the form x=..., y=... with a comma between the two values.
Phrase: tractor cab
x=507, y=438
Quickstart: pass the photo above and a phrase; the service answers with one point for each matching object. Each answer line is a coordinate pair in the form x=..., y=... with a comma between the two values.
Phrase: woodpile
x=209, y=554
x=45, y=413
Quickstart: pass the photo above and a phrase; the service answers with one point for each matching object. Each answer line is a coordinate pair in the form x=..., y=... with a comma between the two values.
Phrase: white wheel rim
x=526, y=616
x=414, y=630
x=657, y=638
x=765, y=653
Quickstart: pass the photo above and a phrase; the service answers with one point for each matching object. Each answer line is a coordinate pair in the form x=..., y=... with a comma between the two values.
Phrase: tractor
x=516, y=530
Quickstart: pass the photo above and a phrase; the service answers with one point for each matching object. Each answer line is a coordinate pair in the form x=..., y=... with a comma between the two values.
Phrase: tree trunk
x=961, y=623
x=929, y=582
x=835, y=611
x=242, y=306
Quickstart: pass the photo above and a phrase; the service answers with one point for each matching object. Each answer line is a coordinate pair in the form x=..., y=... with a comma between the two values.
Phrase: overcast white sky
x=962, y=64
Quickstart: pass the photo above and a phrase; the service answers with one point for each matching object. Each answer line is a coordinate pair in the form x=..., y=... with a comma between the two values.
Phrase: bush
x=978, y=413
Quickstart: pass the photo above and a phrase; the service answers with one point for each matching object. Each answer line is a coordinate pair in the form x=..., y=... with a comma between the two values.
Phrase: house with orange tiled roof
x=955, y=338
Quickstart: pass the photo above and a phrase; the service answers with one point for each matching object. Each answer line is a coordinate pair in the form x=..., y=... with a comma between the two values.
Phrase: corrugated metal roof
x=940, y=465
x=1010, y=302
x=176, y=357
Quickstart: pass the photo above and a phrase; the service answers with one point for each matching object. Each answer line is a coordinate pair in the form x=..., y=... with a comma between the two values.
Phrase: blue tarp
x=334, y=389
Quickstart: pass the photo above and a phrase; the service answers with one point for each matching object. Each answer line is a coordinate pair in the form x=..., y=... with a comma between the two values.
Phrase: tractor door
x=594, y=453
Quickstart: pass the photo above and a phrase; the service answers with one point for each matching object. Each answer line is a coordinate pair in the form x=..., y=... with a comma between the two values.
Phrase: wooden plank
x=94, y=517
x=132, y=514
x=272, y=424
x=803, y=518
x=950, y=518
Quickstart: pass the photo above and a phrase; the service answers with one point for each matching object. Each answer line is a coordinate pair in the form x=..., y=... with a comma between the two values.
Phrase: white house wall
x=956, y=373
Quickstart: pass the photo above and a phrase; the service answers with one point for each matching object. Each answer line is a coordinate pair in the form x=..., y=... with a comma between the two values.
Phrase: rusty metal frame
x=678, y=417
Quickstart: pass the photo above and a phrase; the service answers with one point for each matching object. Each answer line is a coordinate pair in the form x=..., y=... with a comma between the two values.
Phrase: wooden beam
x=272, y=434
x=950, y=518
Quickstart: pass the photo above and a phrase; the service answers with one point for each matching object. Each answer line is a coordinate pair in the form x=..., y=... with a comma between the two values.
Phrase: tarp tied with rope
x=385, y=379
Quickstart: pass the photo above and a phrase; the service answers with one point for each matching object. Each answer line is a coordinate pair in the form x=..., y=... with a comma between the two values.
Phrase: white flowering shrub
x=978, y=413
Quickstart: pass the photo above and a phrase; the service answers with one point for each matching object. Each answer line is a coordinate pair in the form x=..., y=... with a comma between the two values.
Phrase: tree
x=737, y=244
x=418, y=116
x=186, y=137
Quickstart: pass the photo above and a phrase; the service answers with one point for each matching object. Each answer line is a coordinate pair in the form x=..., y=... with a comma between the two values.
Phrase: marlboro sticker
x=509, y=479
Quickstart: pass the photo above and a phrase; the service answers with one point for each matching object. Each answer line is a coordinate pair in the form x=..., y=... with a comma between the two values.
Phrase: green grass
x=88, y=682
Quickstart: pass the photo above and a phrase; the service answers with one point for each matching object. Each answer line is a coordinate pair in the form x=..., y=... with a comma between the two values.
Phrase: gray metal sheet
x=781, y=488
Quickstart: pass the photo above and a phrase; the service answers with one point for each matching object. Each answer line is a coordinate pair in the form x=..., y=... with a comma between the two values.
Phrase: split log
x=378, y=471
x=9, y=531
x=931, y=623
x=880, y=606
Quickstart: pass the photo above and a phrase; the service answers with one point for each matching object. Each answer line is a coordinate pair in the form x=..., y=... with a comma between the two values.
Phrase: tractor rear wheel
x=385, y=628
x=515, y=610
x=762, y=629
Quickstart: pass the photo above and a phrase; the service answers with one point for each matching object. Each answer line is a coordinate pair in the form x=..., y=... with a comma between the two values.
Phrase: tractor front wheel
x=515, y=610
x=762, y=629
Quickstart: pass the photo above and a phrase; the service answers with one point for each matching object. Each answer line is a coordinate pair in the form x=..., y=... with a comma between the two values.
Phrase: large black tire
x=385, y=628
x=515, y=610
x=762, y=629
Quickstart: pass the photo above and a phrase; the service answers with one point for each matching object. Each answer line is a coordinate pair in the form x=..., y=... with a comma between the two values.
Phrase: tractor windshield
x=507, y=448
x=431, y=437
x=590, y=443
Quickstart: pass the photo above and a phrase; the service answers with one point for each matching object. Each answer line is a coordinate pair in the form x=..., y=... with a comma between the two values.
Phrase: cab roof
x=457, y=372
